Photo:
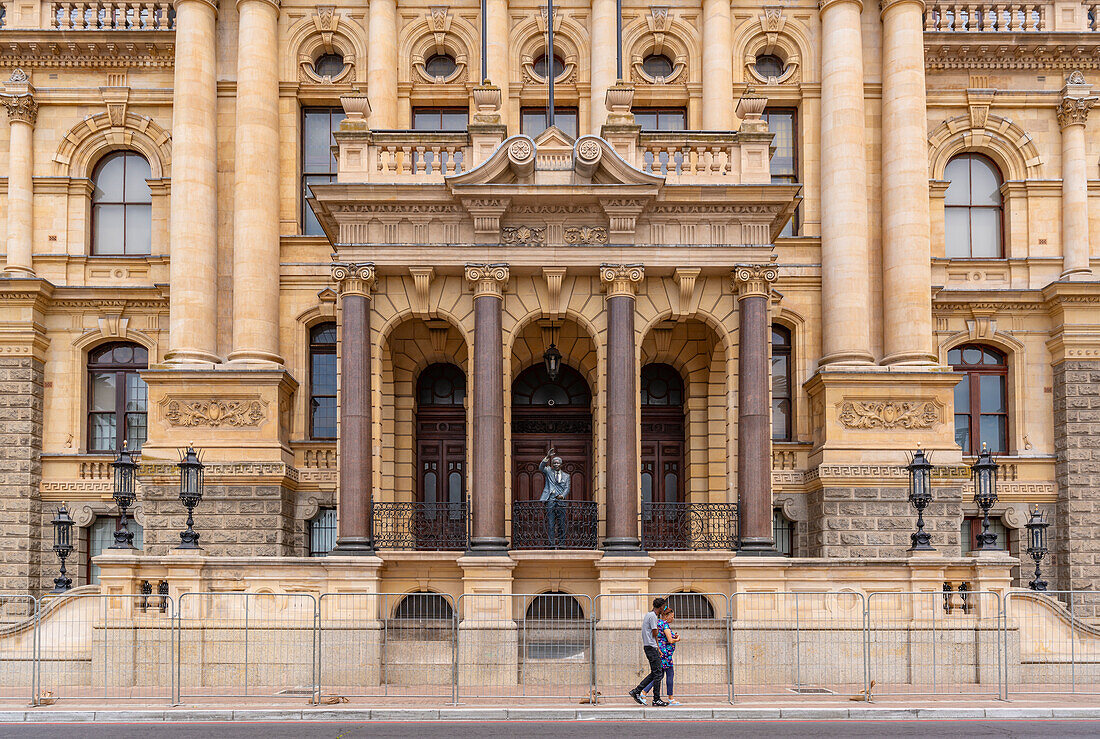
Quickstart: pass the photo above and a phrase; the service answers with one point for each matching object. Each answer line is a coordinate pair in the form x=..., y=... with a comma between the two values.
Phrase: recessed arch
x=325, y=32
x=96, y=136
x=1009, y=146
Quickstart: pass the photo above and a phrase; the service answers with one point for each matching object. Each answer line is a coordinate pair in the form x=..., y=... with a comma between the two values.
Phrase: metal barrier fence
x=787, y=643
x=386, y=644
x=246, y=645
x=524, y=646
x=1052, y=650
x=935, y=643
x=484, y=647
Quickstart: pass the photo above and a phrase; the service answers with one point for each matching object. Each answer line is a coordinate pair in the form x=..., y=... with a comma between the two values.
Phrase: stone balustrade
x=988, y=17
x=679, y=155
x=116, y=16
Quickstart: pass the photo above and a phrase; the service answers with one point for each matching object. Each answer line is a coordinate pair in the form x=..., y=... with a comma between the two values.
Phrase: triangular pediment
x=553, y=158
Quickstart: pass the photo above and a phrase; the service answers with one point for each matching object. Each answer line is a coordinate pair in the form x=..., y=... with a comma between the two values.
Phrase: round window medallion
x=769, y=65
x=657, y=66
x=541, y=65
x=440, y=66
x=328, y=65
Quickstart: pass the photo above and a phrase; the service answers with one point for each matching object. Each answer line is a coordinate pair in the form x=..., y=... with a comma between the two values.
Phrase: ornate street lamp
x=62, y=546
x=1037, y=546
x=920, y=495
x=552, y=357
x=190, y=494
x=984, y=474
x=125, y=472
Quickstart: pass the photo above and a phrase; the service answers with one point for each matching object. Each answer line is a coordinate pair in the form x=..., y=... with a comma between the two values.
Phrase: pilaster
x=22, y=108
x=1073, y=111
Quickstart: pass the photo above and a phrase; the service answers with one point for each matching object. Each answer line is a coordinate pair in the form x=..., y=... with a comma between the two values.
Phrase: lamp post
x=1037, y=546
x=125, y=472
x=920, y=495
x=552, y=358
x=984, y=474
x=63, y=546
x=190, y=494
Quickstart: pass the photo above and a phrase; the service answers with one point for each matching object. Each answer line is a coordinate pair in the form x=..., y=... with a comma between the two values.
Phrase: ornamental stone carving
x=520, y=150
x=1076, y=77
x=487, y=279
x=889, y=414
x=20, y=108
x=754, y=279
x=239, y=412
x=1074, y=111
x=621, y=279
x=354, y=279
x=588, y=150
x=584, y=235
x=523, y=235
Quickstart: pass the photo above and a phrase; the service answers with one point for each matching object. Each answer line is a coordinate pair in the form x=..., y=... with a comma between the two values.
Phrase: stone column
x=752, y=283
x=22, y=109
x=1073, y=111
x=621, y=281
x=193, y=221
x=355, y=509
x=845, y=270
x=382, y=63
x=604, y=41
x=906, y=246
x=496, y=42
x=256, y=217
x=487, y=401
x=717, y=66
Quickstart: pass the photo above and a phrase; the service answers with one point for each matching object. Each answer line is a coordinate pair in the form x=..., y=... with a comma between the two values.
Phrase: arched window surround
x=974, y=207
x=122, y=205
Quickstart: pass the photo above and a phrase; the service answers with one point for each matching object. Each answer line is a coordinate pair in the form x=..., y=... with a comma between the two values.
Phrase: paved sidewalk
x=1000, y=711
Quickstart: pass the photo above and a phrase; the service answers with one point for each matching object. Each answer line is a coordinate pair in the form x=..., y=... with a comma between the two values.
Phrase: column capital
x=18, y=98
x=887, y=5
x=825, y=4
x=354, y=279
x=487, y=279
x=621, y=279
x=754, y=280
x=1074, y=111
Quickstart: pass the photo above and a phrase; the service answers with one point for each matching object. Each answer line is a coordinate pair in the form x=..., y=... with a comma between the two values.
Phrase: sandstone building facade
x=776, y=246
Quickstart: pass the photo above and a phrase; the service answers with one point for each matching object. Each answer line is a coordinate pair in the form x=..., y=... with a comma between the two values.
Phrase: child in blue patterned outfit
x=666, y=643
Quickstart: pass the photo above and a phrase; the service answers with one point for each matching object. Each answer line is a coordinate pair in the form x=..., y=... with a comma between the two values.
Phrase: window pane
x=103, y=432
x=108, y=180
x=957, y=232
x=647, y=119
x=647, y=487
x=533, y=122
x=672, y=120
x=324, y=418
x=311, y=227
x=962, y=431
x=780, y=376
x=316, y=140
x=781, y=413
x=972, y=355
x=994, y=431
x=566, y=120
x=455, y=120
x=137, y=393
x=101, y=536
x=992, y=393
x=431, y=490
x=672, y=492
x=962, y=395
x=324, y=333
x=957, y=173
x=782, y=125
x=984, y=183
x=425, y=119
x=139, y=228
x=323, y=374
x=137, y=172
x=103, y=392
x=454, y=487
x=109, y=224
x=136, y=432
x=985, y=232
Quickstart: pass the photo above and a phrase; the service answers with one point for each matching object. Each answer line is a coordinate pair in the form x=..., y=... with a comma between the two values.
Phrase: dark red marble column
x=754, y=461
x=487, y=403
x=355, y=520
x=622, y=418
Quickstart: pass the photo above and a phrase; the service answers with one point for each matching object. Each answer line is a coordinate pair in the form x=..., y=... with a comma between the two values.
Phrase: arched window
x=782, y=395
x=981, y=398
x=117, y=397
x=973, y=208
x=657, y=66
x=122, y=205
x=662, y=386
x=441, y=384
x=534, y=387
x=423, y=606
x=554, y=606
x=322, y=532
x=322, y=381
x=691, y=605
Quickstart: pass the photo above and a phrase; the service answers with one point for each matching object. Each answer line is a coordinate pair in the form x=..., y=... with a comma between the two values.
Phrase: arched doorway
x=664, y=523
x=440, y=521
x=555, y=413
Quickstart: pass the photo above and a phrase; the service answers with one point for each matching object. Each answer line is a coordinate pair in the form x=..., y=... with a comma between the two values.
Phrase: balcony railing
x=675, y=154
x=420, y=525
x=574, y=527
x=987, y=17
x=398, y=155
x=114, y=16
x=689, y=526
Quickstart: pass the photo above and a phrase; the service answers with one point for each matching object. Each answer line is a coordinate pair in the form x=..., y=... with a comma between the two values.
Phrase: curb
x=624, y=713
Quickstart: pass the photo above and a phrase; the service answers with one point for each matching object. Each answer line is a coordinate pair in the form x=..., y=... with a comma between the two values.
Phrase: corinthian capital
x=354, y=279
x=18, y=99
x=487, y=279
x=1074, y=111
x=754, y=280
x=621, y=279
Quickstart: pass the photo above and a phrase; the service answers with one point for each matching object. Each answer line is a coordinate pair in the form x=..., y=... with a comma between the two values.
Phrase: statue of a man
x=554, y=493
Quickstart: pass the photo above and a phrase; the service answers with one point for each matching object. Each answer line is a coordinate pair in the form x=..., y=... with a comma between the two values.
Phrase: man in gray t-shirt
x=652, y=654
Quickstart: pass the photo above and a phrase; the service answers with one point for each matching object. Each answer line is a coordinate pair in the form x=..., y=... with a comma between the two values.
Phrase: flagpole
x=550, y=63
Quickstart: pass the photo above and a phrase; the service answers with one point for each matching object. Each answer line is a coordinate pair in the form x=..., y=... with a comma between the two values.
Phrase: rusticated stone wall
x=1075, y=530
x=877, y=521
x=21, y=536
x=232, y=520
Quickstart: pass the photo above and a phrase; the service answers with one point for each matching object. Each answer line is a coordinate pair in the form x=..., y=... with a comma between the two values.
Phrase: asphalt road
x=1062, y=729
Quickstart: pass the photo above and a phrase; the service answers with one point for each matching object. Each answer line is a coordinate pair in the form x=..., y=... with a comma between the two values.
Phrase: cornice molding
x=1042, y=51
x=88, y=49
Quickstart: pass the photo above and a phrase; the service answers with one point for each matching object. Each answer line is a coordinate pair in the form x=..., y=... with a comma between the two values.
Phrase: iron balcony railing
x=572, y=524
x=420, y=525
x=689, y=526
